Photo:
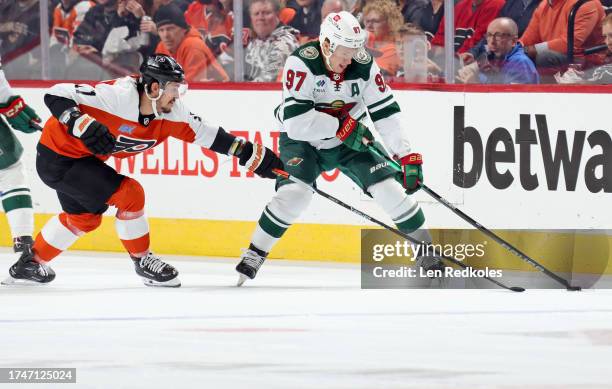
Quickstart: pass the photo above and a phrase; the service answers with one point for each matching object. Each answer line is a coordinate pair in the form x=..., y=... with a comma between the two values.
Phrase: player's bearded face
x=341, y=58
x=171, y=92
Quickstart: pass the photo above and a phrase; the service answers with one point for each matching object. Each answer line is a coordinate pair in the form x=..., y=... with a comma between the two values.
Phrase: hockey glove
x=413, y=173
x=94, y=135
x=353, y=134
x=19, y=115
x=259, y=160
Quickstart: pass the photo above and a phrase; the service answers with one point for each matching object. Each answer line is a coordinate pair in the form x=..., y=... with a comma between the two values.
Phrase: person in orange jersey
x=383, y=20
x=67, y=15
x=87, y=126
x=545, y=39
x=214, y=23
x=185, y=44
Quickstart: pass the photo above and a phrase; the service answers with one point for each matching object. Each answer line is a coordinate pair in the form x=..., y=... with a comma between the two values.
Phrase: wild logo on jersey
x=309, y=52
x=294, y=161
x=336, y=108
x=131, y=145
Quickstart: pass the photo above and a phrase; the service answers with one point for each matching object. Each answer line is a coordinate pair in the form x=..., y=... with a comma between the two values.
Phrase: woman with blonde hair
x=383, y=21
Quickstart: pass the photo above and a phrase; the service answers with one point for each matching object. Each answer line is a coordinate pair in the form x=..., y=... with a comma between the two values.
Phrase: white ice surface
x=306, y=325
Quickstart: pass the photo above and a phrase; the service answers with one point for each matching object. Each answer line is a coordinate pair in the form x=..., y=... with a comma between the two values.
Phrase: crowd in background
x=495, y=41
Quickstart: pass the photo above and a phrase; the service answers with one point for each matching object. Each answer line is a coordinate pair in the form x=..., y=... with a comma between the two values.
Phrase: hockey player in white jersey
x=328, y=86
x=16, y=199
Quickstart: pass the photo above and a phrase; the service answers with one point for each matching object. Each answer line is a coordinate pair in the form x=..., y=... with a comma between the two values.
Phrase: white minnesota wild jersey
x=313, y=99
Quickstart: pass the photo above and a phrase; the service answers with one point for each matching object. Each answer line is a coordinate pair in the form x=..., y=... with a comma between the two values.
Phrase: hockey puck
x=574, y=288
x=517, y=289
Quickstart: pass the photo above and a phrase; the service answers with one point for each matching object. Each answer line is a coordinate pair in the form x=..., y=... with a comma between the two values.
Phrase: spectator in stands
x=545, y=39
x=306, y=17
x=383, y=20
x=213, y=21
x=273, y=42
x=426, y=14
x=504, y=62
x=357, y=8
x=67, y=16
x=147, y=26
x=288, y=16
x=471, y=20
x=599, y=75
x=11, y=31
x=19, y=36
x=186, y=45
x=110, y=41
x=518, y=10
x=142, y=11
x=413, y=49
x=90, y=36
x=182, y=4
x=126, y=44
x=85, y=59
x=330, y=6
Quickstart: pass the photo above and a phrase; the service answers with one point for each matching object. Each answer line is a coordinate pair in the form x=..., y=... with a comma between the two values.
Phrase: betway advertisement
x=511, y=160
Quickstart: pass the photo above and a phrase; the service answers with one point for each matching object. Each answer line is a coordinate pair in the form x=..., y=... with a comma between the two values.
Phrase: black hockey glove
x=259, y=159
x=94, y=135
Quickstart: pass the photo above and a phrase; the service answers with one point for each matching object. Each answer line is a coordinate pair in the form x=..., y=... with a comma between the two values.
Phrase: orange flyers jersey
x=115, y=104
x=70, y=20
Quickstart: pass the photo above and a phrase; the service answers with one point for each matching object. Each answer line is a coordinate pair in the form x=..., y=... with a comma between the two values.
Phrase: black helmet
x=162, y=69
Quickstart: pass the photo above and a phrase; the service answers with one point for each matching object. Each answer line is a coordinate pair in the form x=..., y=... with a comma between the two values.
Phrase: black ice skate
x=433, y=265
x=21, y=241
x=155, y=272
x=250, y=262
x=27, y=271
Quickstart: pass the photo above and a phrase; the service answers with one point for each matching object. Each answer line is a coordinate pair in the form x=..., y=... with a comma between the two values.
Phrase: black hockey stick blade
x=482, y=228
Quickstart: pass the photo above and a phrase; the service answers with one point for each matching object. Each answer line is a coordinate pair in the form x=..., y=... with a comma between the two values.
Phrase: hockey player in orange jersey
x=120, y=118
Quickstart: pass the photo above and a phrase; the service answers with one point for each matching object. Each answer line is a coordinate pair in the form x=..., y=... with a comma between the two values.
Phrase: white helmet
x=342, y=29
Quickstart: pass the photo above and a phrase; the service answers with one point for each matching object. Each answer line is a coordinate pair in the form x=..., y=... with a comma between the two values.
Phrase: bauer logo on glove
x=353, y=134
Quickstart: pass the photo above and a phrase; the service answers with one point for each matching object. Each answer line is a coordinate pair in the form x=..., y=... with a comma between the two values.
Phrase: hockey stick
x=482, y=228
x=35, y=125
x=284, y=174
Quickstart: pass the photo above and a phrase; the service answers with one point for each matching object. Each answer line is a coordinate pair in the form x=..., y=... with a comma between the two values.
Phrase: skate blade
x=173, y=283
x=241, y=279
x=10, y=281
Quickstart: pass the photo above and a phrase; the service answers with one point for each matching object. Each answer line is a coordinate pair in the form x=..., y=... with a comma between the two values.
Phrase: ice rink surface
x=298, y=325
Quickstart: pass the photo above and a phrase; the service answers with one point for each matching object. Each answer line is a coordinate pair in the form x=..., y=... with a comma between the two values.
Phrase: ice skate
x=26, y=271
x=434, y=265
x=20, y=242
x=250, y=262
x=155, y=272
